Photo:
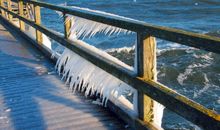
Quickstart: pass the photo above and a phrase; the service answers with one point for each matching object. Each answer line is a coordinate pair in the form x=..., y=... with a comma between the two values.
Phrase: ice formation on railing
x=82, y=27
x=30, y=11
x=82, y=75
x=87, y=28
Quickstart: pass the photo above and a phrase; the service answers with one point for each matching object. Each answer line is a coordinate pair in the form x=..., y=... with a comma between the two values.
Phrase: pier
x=32, y=96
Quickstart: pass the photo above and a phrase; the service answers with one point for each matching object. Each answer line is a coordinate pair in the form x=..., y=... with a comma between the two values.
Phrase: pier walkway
x=32, y=96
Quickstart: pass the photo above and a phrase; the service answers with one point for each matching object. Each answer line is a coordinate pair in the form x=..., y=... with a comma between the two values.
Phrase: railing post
x=2, y=5
x=146, y=69
x=9, y=8
x=67, y=26
x=37, y=16
x=21, y=13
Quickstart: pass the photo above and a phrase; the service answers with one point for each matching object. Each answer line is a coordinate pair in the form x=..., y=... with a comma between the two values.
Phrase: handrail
x=185, y=107
x=196, y=40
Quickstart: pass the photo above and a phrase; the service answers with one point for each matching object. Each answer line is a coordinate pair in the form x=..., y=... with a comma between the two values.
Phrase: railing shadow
x=26, y=87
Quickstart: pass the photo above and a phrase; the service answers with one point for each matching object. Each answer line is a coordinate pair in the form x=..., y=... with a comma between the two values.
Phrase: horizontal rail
x=185, y=107
x=200, y=41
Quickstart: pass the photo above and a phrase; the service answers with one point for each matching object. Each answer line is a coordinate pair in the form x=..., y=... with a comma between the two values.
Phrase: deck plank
x=31, y=97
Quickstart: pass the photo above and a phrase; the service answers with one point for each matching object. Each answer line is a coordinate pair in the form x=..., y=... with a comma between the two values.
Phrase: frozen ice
x=84, y=76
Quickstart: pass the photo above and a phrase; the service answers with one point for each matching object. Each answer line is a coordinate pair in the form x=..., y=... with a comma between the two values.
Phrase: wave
x=215, y=33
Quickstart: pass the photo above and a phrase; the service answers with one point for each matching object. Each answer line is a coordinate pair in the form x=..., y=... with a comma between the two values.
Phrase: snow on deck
x=32, y=96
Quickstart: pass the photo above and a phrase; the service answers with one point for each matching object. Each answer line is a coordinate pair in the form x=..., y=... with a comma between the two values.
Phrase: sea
x=191, y=72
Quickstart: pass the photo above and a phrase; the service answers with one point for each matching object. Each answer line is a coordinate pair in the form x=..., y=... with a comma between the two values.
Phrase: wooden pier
x=32, y=96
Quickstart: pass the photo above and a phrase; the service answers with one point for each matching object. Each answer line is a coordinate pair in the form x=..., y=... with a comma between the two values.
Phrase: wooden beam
x=37, y=16
x=21, y=13
x=67, y=26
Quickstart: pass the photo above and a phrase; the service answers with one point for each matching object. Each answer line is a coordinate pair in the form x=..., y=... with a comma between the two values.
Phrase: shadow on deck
x=32, y=96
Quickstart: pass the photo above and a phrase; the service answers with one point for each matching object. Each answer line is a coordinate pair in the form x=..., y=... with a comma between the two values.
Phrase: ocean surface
x=191, y=72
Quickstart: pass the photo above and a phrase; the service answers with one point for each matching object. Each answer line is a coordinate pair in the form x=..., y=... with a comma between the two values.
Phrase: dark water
x=191, y=72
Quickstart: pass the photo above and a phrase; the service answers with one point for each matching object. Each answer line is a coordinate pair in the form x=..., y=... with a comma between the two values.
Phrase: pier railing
x=144, y=81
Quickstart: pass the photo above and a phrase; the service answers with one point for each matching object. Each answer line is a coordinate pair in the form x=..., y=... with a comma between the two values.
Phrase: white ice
x=84, y=76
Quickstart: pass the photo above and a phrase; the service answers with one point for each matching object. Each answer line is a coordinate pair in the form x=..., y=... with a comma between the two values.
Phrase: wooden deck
x=32, y=96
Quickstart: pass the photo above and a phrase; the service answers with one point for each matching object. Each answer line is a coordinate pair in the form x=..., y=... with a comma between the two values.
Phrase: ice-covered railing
x=144, y=81
x=82, y=27
x=84, y=76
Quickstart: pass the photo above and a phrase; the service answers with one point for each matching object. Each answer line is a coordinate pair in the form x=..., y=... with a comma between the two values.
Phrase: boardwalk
x=32, y=96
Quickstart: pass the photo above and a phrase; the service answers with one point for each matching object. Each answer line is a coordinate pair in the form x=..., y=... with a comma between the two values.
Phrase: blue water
x=193, y=73
x=194, y=15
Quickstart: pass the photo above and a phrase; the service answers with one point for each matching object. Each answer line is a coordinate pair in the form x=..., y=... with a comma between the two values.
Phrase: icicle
x=87, y=28
x=30, y=11
x=89, y=78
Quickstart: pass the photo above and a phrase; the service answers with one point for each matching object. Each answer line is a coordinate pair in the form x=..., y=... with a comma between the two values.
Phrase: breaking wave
x=189, y=71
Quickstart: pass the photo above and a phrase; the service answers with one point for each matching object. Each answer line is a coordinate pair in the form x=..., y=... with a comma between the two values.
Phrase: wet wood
x=67, y=26
x=21, y=13
x=185, y=107
x=37, y=15
x=146, y=68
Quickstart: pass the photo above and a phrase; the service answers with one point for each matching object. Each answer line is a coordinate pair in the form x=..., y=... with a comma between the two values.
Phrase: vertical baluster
x=37, y=17
x=9, y=8
x=2, y=5
x=146, y=68
x=21, y=13
x=67, y=26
